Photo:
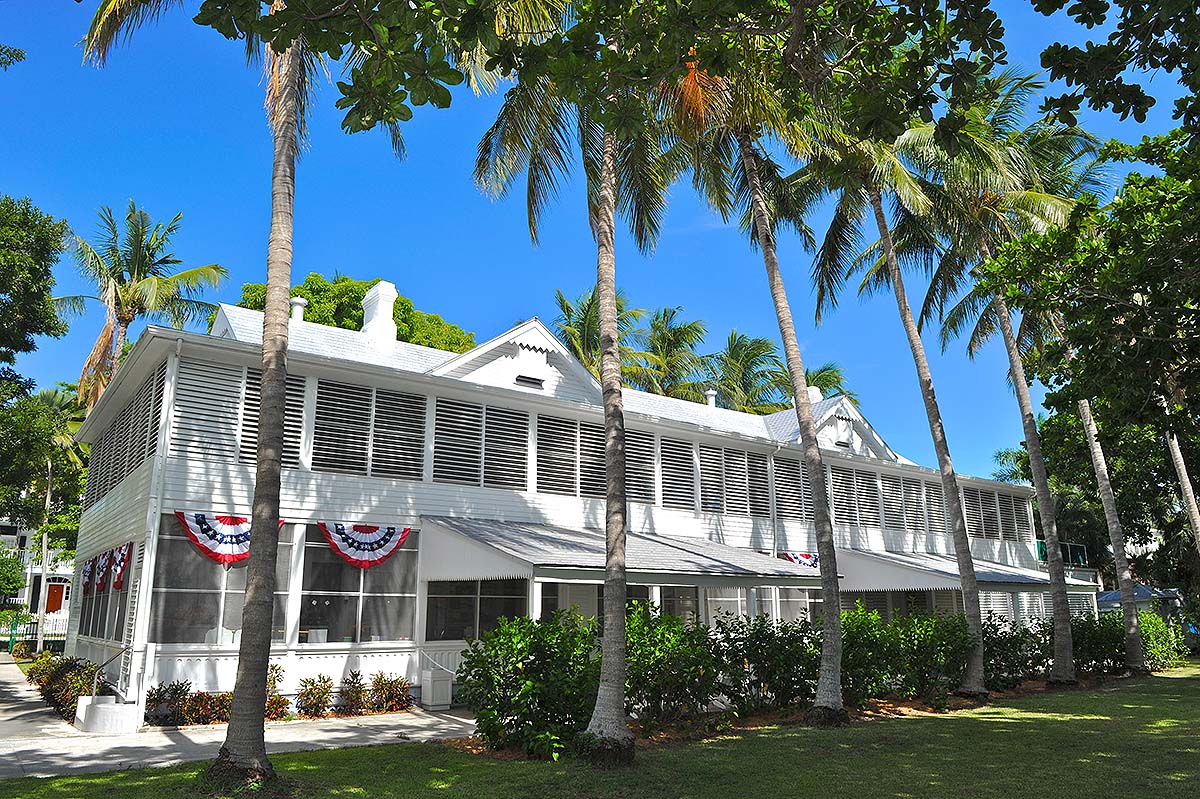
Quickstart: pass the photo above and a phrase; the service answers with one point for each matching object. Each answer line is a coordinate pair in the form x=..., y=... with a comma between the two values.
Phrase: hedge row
x=62, y=680
x=532, y=684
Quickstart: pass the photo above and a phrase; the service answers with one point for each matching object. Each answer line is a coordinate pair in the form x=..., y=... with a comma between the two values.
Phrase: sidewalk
x=34, y=742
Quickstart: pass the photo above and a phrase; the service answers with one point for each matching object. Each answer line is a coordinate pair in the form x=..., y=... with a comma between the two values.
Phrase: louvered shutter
x=293, y=419
x=973, y=509
x=737, y=492
x=205, y=417
x=842, y=480
x=505, y=448
x=678, y=474
x=1008, y=517
x=935, y=507
x=806, y=491
x=639, y=466
x=134, y=577
x=947, y=603
x=1022, y=511
x=866, y=485
x=398, y=435
x=712, y=491
x=893, y=502
x=996, y=603
x=342, y=427
x=789, y=489
x=1080, y=604
x=457, y=442
x=758, y=484
x=593, y=471
x=991, y=515
x=557, y=455
x=914, y=506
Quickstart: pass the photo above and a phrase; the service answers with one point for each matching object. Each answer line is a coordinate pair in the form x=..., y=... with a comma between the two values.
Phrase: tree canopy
x=31, y=243
x=338, y=303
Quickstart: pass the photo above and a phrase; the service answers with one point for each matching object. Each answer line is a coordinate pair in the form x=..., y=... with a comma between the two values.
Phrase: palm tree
x=830, y=379
x=735, y=174
x=748, y=375
x=670, y=364
x=535, y=133
x=859, y=172
x=64, y=404
x=578, y=328
x=980, y=203
x=133, y=269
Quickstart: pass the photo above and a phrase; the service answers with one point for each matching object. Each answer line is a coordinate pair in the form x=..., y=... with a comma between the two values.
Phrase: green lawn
x=1140, y=738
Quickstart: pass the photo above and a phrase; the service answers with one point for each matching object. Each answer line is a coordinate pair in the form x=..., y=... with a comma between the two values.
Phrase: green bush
x=871, y=655
x=390, y=693
x=353, y=695
x=1099, y=643
x=21, y=651
x=671, y=672
x=934, y=651
x=1014, y=652
x=765, y=664
x=205, y=708
x=165, y=703
x=278, y=707
x=532, y=684
x=315, y=696
x=1162, y=642
x=62, y=680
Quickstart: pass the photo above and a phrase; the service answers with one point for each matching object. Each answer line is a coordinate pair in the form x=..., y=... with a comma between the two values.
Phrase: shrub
x=532, y=684
x=1099, y=643
x=1162, y=642
x=1014, y=652
x=870, y=655
x=934, y=651
x=765, y=664
x=278, y=706
x=20, y=651
x=315, y=696
x=165, y=703
x=390, y=693
x=671, y=669
x=205, y=708
x=62, y=680
x=353, y=695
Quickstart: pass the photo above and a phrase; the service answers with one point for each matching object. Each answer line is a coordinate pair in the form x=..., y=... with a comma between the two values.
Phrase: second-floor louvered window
x=893, y=502
x=505, y=449
x=557, y=455
x=293, y=419
x=593, y=470
x=991, y=515
x=914, y=506
x=935, y=507
x=866, y=487
x=973, y=511
x=737, y=490
x=678, y=474
x=129, y=440
x=639, y=466
x=342, y=427
x=789, y=489
x=398, y=435
x=204, y=420
x=1008, y=517
x=457, y=441
x=758, y=484
x=712, y=490
x=1021, y=508
x=842, y=480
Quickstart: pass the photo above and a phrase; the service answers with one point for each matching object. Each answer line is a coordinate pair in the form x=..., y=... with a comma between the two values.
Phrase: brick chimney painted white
x=378, y=306
x=814, y=394
x=710, y=396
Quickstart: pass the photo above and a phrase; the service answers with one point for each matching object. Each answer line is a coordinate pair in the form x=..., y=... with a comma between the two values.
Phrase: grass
x=1136, y=738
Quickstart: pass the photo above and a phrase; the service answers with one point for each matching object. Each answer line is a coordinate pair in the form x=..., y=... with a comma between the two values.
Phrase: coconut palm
x=978, y=204
x=536, y=134
x=670, y=364
x=735, y=174
x=133, y=268
x=748, y=375
x=64, y=404
x=830, y=379
x=859, y=172
x=578, y=327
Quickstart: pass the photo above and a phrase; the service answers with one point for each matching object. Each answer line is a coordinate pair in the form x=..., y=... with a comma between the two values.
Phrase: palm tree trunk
x=828, y=708
x=973, y=680
x=1135, y=658
x=1186, y=492
x=245, y=749
x=609, y=723
x=41, y=617
x=1062, y=670
x=118, y=347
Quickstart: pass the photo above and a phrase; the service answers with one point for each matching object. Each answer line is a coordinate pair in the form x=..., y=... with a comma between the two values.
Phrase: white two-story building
x=480, y=477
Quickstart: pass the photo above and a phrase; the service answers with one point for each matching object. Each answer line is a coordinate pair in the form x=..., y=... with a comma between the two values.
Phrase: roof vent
x=530, y=382
x=710, y=396
x=815, y=395
x=298, y=306
x=378, y=306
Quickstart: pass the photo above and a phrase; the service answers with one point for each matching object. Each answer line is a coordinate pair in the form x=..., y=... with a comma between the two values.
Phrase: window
x=204, y=420
x=797, y=604
x=866, y=490
x=457, y=441
x=398, y=435
x=341, y=603
x=893, y=502
x=789, y=489
x=557, y=455
x=678, y=474
x=914, y=506
x=737, y=487
x=293, y=419
x=342, y=427
x=935, y=507
x=758, y=482
x=505, y=449
x=593, y=469
x=712, y=482
x=844, y=508
x=682, y=602
x=1021, y=509
x=639, y=466
x=973, y=511
x=129, y=440
x=459, y=610
x=197, y=601
x=991, y=515
x=1008, y=517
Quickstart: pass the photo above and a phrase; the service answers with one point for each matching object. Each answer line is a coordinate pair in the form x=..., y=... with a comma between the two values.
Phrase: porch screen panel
x=842, y=480
x=737, y=490
x=866, y=489
x=398, y=435
x=758, y=484
x=678, y=474
x=991, y=515
x=457, y=442
x=557, y=455
x=712, y=483
x=935, y=507
x=789, y=489
x=505, y=449
x=893, y=502
x=973, y=509
x=639, y=466
x=342, y=427
x=592, y=469
x=205, y=414
x=914, y=506
x=293, y=419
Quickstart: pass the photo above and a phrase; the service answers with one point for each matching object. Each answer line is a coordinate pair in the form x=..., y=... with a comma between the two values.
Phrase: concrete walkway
x=34, y=742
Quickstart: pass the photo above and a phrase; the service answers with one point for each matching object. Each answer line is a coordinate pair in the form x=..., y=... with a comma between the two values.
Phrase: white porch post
x=752, y=602
x=535, y=600
x=776, y=610
x=656, y=596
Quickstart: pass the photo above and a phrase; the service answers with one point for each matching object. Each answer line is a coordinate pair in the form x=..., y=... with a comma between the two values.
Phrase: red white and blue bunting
x=100, y=576
x=224, y=539
x=120, y=564
x=364, y=545
x=88, y=566
x=809, y=559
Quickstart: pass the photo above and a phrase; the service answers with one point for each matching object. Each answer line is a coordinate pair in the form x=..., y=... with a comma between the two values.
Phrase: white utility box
x=435, y=689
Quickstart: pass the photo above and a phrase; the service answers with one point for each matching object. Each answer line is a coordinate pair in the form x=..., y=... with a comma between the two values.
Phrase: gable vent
x=505, y=449
x=342, y=427
x=639, y=466
x=678, y=474
x=530, y=382
x=293, y=419
x=204, y=420
x=398, y=435
x=557, y=455
x=457, y=441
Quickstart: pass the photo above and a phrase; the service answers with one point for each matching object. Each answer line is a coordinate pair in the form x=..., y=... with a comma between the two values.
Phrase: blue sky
x=175, y=121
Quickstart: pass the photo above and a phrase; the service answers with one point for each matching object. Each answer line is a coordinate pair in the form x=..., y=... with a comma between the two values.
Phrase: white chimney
x=710, y=396
x=814, y=394
x=298, y=306
x=378, y=306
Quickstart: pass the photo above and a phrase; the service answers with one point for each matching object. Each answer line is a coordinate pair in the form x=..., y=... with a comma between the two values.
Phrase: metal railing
x=1073, y=555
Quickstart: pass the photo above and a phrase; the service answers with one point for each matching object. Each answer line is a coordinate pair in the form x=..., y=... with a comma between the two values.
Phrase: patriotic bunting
x=224, y=539
x=363, y=545
x=88, y=566
x=808, y=559
x=100, y=576
x=120, y=563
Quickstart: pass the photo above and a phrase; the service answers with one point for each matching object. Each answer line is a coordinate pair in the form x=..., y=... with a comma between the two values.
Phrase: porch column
x=535, y=600
x=776, y=610
x=752, y=602
x=656, y=596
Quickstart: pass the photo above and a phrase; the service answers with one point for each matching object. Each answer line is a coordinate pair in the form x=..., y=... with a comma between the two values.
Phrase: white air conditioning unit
x=435, y=689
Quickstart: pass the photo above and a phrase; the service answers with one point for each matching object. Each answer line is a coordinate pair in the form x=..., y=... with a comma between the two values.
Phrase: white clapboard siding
x=204, y=421
x=639, y=466
x=398, y=435
x=593, y=472
x=678, y=474
x=505, y=448
x=758, y=483
x=457, y=442
x=712, y=483
x=557, y=455
x=342, y=427
x=737, y=488
x=293, y=419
